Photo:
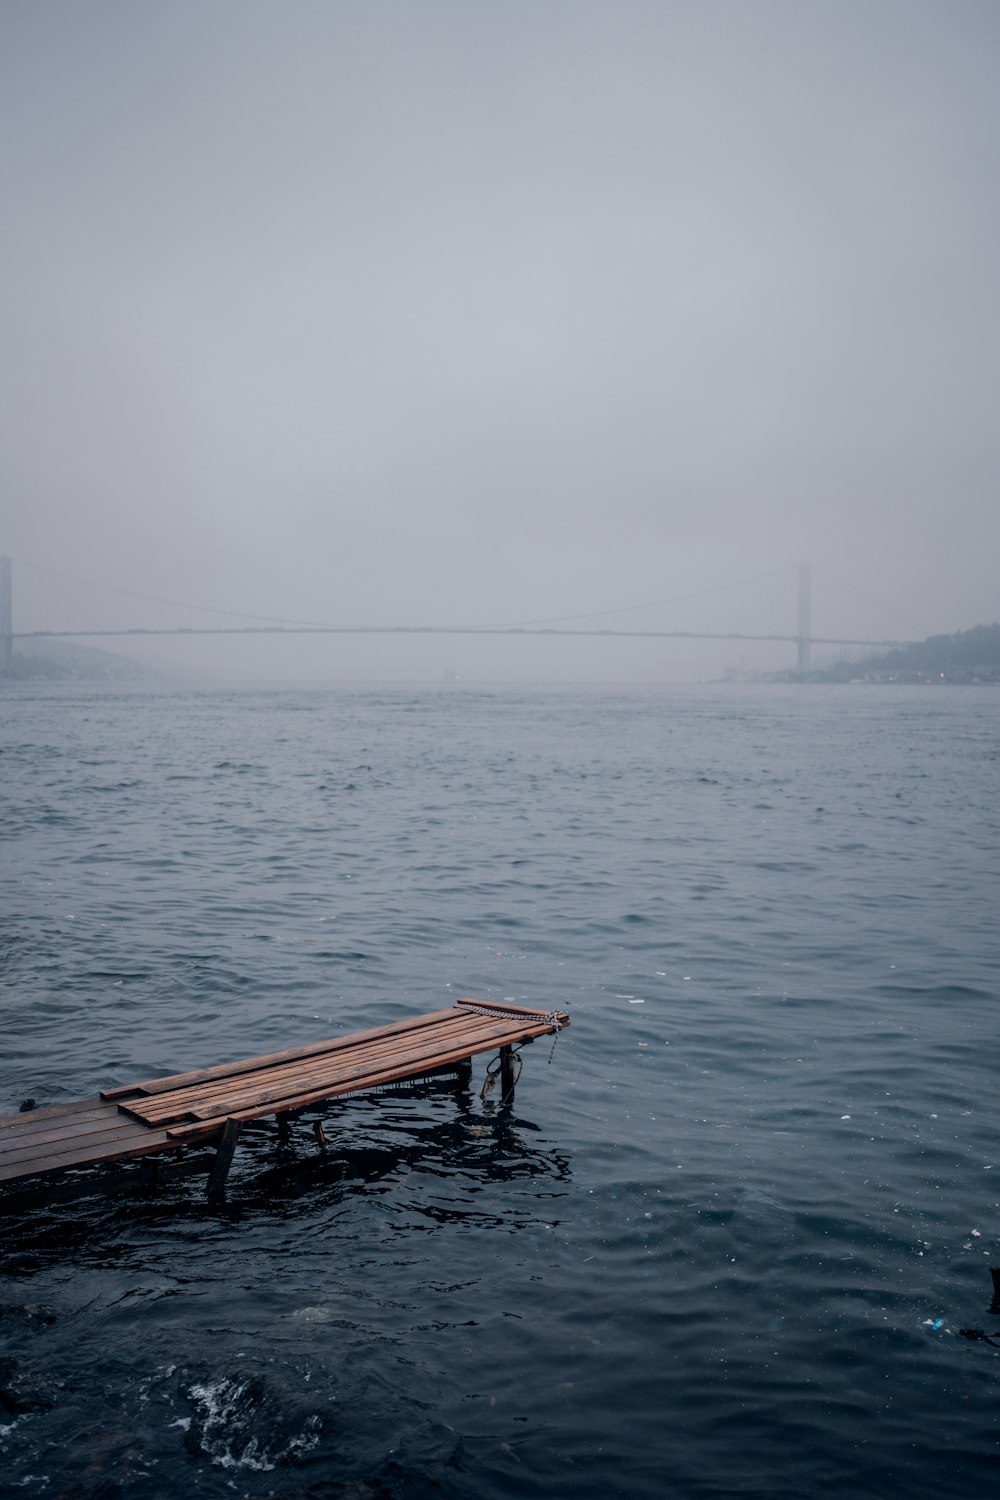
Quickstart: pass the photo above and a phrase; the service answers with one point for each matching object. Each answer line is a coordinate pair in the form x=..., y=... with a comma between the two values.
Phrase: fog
x=449, y=313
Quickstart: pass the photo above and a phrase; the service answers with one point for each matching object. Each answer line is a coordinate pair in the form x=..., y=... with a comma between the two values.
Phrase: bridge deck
x=209, y=1106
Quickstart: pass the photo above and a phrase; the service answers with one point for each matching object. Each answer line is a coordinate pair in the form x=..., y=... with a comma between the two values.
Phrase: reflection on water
x=381, y=1142
x=301, y=1351
x=428, y=1150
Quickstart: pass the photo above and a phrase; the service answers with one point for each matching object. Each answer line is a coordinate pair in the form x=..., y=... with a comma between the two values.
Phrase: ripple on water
x=726, y=1242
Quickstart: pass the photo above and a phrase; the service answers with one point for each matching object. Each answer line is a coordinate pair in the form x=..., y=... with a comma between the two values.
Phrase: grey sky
x=475, y=312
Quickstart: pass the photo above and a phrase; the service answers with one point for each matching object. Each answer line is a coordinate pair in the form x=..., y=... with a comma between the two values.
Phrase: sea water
x=736, y=1230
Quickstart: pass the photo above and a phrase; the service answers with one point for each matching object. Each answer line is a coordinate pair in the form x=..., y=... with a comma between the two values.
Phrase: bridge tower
x=804, y=637
x=6, y=619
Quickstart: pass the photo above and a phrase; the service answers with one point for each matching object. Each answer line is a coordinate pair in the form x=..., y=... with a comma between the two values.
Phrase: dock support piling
x=507, y=1078
x=463, y=1086
x=223, y=1160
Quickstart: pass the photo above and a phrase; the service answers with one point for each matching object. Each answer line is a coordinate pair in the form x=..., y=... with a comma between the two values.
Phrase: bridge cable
x=236, y=614
x=866, y=598
x=208, y=609
x=625, y=609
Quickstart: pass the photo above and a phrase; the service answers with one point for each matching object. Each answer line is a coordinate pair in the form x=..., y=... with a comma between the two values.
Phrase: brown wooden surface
x=26, y=1147
x=286, y=1081
x=266, y=1093
x=97, y=1133
x=62, y=1118
x=194, y=1131
x=51, y=1111
x=269, y=1059
x=134, y=1120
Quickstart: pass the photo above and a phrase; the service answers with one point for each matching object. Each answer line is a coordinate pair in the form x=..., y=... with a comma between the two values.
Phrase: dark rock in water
x=22, y=1389
x=25, y=1105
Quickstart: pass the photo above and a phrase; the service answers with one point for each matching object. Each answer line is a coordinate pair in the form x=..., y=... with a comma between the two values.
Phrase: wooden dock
x=166, y=1123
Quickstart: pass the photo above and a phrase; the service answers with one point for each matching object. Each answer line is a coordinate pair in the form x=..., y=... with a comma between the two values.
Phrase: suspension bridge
x=802, y=638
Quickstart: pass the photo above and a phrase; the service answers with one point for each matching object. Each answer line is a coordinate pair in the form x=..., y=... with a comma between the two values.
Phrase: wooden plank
x=373, y=1044
x=66, y=1124
x=371, y=1037
x=81, y=1129
x=139, y=1145
x=119, y=1128
x=415, y=1058
x=249, y=1069
x=402, y=1064
x=255, y=1111
x=270, y=1059
x=303, y=1076
x=49, y=1111
x=300, y=1074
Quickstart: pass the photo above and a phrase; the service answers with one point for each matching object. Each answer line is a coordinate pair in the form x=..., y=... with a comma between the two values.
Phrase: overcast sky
x=475, y=311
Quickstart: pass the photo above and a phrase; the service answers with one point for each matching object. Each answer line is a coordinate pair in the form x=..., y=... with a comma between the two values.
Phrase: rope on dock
x=550, y=1017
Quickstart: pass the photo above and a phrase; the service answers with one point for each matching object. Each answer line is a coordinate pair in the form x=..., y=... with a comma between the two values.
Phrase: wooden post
x=463, y=1085
x=223, y=1160
x=506, y=1076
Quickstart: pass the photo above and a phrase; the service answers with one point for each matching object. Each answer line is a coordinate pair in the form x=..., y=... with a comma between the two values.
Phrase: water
x=727, y=1241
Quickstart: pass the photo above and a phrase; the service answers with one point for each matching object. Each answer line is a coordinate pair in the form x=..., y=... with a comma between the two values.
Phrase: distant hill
x=61, y=661
x=967, y=656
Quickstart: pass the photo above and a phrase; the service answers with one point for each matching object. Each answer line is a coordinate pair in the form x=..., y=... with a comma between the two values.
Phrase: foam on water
x=240, y=1424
